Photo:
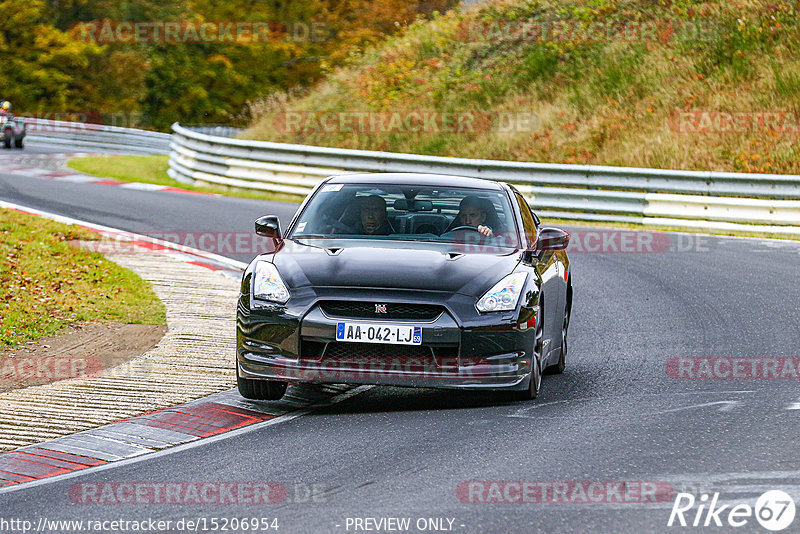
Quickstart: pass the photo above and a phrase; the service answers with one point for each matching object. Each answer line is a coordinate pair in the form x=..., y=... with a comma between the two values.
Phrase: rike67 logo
x=774, y=510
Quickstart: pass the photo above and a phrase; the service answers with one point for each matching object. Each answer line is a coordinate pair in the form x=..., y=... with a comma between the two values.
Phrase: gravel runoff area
x=193, y=359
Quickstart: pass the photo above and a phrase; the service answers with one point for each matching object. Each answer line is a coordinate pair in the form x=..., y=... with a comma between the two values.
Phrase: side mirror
x=269, y=226
x=552, y=239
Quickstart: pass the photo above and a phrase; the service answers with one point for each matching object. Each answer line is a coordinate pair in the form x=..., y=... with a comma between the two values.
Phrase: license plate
x=390, y=334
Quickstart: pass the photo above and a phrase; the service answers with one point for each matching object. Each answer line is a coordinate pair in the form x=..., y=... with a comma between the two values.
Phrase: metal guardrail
x=710, y=200
x=219, y=130
x=96, y=136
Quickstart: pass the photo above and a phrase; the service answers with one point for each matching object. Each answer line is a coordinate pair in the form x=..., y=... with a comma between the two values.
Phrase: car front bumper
x=460, y=349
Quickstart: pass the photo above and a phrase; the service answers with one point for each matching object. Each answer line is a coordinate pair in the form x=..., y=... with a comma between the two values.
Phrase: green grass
x=153, y=170
x=144, y=169
x=48, y=283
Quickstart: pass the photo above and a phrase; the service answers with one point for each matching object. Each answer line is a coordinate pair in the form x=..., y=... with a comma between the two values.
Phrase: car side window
x=528, y=220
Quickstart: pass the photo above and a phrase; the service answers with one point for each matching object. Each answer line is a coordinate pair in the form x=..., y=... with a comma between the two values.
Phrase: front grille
x=368, y=310
x=360, y=351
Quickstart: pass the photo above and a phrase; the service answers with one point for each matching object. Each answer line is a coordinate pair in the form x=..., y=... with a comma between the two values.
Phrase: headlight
x=504, y=295
x=268, y=285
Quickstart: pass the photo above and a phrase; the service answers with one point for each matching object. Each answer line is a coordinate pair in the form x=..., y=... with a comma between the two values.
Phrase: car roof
x=412, y=178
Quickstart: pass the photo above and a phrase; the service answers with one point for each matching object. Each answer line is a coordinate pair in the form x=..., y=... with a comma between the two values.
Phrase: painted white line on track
x=523, y=412
x=76, y=179
x=725, y=406
x=143, y=187
x=38, y=172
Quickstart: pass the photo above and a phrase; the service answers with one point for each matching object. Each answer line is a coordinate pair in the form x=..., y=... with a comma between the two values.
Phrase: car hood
x=392, y=265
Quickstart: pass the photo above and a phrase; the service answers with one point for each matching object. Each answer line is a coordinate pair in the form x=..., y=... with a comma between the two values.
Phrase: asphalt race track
x=619, y=412
x=144, y=212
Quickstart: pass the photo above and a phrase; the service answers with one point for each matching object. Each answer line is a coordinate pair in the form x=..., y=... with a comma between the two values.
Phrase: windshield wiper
x=428, y=240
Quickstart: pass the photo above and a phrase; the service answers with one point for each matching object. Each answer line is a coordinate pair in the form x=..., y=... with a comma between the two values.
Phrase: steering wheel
x=457, y=228
x=467, y=228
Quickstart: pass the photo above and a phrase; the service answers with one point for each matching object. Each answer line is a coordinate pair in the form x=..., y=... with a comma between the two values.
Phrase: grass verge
x=48, y=283
x=153, y=170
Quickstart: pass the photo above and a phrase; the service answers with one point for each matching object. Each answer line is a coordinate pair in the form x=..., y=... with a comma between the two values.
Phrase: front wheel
x=19, y=142
x=260, y=389
x=535, y=386
x=558, y=368
x=8, y=139
x=536, y=365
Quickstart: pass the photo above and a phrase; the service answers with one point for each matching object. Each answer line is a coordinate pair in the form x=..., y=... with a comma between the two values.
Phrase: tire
x=8, y=139
x=260, y=389
x=535, y=385
x=558, y=368
x=19, y=142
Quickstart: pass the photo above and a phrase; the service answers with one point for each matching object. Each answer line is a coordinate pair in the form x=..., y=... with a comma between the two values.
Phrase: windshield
x=408, y=213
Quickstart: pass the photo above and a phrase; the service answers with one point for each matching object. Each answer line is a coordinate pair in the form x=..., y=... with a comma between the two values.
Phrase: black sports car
x=406, y=280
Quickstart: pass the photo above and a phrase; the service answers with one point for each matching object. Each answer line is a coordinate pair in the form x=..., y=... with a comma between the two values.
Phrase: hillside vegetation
x=680, y=84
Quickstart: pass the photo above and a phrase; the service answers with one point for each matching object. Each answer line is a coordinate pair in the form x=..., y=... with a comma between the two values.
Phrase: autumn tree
x=39, y=60
x=51, y=65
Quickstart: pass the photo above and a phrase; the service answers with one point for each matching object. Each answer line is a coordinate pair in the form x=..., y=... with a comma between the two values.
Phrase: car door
x=546, y=263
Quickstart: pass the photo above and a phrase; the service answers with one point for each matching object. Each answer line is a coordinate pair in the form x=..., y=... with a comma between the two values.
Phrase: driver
x=374, y=219
x=472, y=212
x=5, y=108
